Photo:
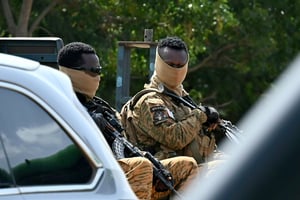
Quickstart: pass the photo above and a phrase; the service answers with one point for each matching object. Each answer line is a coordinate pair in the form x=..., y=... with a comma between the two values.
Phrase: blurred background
x=237, y=48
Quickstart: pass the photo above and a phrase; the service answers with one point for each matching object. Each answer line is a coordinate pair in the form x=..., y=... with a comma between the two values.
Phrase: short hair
x=172, y=42
x=70, y=55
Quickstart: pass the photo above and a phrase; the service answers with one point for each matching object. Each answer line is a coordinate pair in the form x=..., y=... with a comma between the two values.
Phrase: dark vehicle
x=50, y=148
x=266, y=163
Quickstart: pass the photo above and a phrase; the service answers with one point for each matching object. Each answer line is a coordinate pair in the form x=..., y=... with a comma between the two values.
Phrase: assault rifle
x=226, y=127
x=112, y=130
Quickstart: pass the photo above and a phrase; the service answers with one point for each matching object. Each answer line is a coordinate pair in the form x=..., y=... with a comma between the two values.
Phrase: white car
x=50, y=148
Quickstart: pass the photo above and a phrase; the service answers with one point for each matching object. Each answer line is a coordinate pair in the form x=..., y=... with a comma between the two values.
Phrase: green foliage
x=237, y=48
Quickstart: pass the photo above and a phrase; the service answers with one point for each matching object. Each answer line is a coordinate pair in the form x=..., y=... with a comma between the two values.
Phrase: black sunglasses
x=175, y=65
x=96, y=70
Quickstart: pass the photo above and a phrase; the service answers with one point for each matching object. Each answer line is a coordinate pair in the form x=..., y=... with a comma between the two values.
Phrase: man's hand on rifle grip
x=213, y=117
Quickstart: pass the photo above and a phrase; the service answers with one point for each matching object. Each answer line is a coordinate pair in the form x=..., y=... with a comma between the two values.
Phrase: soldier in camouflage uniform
x=155, y=122
x=80, y=62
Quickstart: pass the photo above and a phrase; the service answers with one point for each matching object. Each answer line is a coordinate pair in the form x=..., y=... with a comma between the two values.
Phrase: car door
x=39, y=155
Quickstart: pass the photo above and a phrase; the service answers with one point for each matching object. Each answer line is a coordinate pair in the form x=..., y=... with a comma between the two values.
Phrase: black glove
x=212, y=115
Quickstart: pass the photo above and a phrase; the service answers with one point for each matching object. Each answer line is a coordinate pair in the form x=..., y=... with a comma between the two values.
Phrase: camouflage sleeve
x=158, y=122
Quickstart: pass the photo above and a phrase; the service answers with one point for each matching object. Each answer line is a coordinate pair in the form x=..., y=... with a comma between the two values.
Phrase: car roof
x=21, y=63
x=265, y=165
x=26, y=72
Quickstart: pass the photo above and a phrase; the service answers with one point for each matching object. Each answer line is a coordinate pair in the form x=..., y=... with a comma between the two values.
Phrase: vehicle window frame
x=98, y=171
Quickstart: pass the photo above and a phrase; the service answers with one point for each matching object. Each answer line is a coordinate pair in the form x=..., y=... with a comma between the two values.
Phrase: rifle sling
x=138, y=95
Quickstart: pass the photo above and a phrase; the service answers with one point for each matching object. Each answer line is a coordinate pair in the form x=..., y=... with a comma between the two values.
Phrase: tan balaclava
x=172, y=77
x=82, y=82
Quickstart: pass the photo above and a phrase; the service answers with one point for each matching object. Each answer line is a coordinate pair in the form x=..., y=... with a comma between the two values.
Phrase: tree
x=237, y=48
x=21, y=26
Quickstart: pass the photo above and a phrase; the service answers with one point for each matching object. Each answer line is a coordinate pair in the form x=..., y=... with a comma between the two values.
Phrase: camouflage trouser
x=139, y=173
x=183, y=170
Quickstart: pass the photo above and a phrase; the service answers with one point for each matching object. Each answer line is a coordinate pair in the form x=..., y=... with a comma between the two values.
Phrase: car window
x=39, y=151
x=5, y=177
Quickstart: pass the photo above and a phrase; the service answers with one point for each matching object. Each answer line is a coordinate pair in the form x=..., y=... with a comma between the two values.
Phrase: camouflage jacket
x=165, y=128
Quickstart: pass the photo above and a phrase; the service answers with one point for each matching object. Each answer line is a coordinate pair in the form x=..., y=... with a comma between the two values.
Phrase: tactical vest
x=99, y=106
x=200, y=148
x=127, y=115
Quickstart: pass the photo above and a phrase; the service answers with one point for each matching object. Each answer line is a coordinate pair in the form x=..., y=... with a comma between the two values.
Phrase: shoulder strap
x=127, y=114
x=102, y=102
x=138, y=95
